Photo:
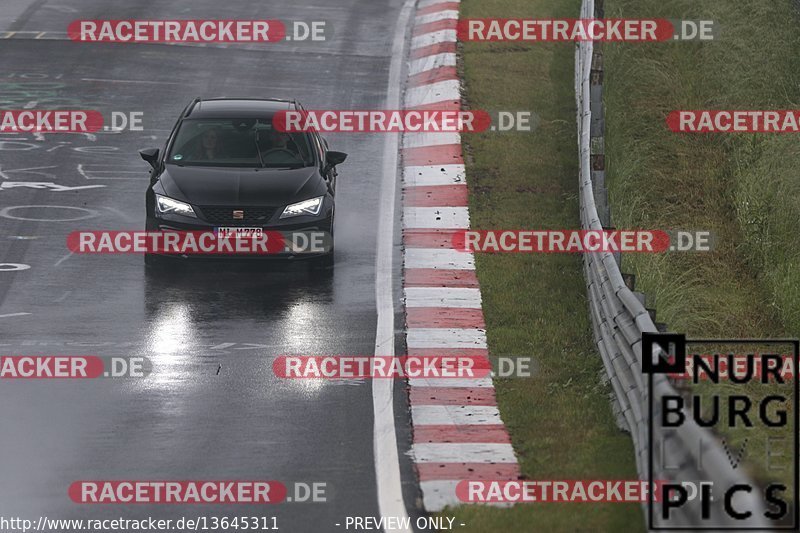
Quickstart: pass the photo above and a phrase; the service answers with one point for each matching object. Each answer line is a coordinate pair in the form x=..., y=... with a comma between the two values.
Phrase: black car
x=226, y=168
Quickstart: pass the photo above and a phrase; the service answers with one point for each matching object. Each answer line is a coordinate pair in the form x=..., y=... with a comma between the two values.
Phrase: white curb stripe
x=434, y=37
x=431, y=62
x=462, y=297
x=436, y=217
x=439, y=258
x=438, y=494
x=436, y=415
x=446, y=338
x=447, y=14
x=463, y=453
x=433, y=93
x=432, y=138
x=433, y=175
x=474, y=383
x=440, y=338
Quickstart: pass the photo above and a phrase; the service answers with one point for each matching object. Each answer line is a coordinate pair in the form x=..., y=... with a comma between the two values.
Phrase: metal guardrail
x=618, y=320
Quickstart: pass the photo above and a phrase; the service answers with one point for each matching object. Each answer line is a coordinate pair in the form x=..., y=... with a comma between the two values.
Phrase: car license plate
x=228, y=232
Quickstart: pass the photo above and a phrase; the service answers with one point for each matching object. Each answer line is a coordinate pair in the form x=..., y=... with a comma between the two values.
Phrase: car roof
x=237, y=107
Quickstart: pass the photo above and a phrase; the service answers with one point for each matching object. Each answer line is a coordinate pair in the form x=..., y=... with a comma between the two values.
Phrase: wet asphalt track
x=184, y=421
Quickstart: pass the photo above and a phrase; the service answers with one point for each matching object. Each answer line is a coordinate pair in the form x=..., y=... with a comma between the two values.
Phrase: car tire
x=325, y=262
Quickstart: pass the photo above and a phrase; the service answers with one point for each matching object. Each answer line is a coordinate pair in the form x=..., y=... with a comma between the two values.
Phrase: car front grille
x=253, y=216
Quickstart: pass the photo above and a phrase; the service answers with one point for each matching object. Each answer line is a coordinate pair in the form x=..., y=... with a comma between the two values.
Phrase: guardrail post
x=641, y=297
x=597, y=133
x=630, y=281
x=597, y=136
x=599, y=9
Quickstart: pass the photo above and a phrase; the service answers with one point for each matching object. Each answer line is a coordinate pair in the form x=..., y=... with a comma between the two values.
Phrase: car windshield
x=233, y=142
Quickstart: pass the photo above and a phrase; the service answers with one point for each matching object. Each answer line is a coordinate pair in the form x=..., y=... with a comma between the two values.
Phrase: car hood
x=240, y=186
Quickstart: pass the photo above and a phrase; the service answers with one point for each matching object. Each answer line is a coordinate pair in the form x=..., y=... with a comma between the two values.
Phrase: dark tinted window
x=237, y=143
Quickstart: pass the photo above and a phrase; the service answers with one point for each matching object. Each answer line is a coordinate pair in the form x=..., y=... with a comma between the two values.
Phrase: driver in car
x=282, y=149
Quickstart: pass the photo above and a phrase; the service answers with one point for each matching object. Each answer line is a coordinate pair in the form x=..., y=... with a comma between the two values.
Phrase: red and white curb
x=458, y=433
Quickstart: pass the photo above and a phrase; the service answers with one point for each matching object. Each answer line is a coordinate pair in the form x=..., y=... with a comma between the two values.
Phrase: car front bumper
x=320, y=225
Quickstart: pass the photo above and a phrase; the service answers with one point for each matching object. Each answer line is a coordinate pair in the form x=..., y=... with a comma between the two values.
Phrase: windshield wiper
x=258, y=148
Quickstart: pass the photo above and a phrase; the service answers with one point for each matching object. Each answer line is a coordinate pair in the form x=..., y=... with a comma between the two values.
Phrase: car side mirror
x=150, y=155
x=335, y=158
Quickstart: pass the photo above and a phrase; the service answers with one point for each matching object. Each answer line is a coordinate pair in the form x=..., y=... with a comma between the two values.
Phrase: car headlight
x=168, y=206
x=306, y=207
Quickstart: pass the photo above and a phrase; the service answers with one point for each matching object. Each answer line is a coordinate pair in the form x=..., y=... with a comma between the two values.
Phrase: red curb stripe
x=436, y=196
x=444, y=317
x=437, y=25
x=483, y=396
x=443, y=154
x=428, y=238
x=433, y=76
x=444, y=105
x=487, y=434
x=469, y=352
x=459, y=471
x=433, y=277
x=436, y=8
x=433, y=49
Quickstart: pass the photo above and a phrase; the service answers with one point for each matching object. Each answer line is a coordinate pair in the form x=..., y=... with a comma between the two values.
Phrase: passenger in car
x=210, y=146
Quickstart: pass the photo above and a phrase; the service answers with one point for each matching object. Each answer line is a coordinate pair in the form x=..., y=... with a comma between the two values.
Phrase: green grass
x=743, y=187
x=560, y=421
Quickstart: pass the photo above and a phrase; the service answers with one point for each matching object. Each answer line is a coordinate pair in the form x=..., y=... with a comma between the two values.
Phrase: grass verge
x=742, y=187
x=560, y=421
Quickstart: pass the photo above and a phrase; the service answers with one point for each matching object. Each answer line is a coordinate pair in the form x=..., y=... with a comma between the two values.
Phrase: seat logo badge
x=238, y=214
